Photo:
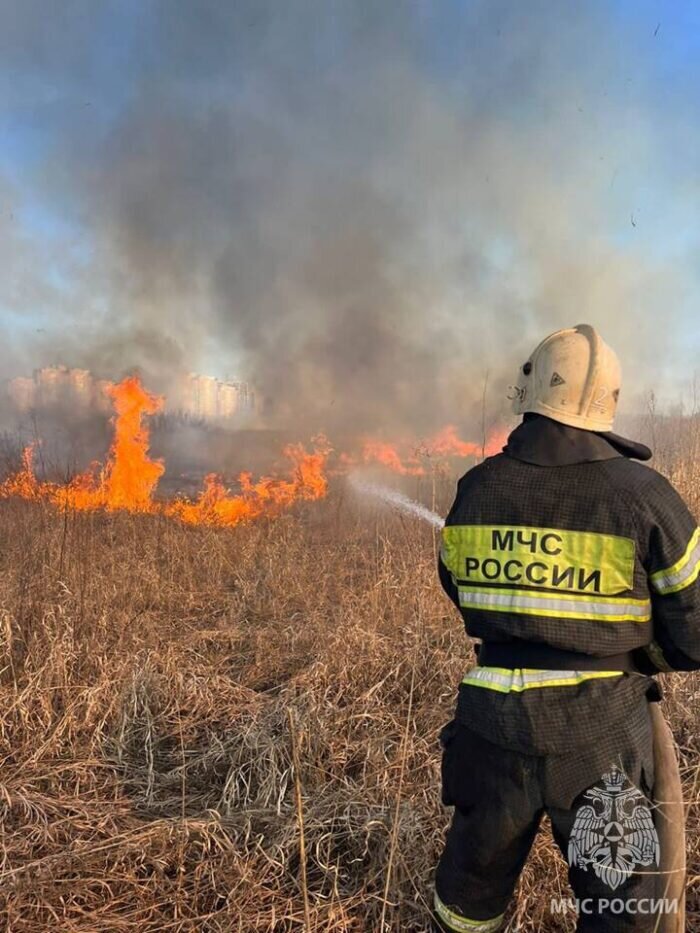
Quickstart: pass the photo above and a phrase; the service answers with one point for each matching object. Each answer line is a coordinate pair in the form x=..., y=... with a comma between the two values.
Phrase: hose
x=670, y=823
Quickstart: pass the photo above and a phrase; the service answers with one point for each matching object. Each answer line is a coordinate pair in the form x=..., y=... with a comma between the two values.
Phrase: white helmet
x=573, y=377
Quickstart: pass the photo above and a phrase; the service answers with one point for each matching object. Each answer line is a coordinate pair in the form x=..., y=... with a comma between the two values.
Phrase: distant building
x=203, y=398
x=206, y=397
x=228, y=400
x=100, y=399
x=209, y=399
x=81, y=386
x=22, y=393
x=52, y=385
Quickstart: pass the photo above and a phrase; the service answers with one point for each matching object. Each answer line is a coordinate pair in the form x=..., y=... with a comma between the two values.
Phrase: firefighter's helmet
x=573, y=377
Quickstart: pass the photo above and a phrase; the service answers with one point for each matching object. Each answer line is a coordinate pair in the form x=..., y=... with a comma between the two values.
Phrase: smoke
x=363, y=208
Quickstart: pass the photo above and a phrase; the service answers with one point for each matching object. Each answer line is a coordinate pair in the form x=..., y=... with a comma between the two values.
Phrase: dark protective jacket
x=566, y=553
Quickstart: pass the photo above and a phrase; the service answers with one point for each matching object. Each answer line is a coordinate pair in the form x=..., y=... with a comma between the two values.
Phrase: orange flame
x=216, y=506
x=446, y=443
x=388, y=455
x=413, y=460
x=23, y=483
x=129, y=477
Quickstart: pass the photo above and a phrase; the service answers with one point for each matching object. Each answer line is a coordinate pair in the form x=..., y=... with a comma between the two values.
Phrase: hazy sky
x=361, y=206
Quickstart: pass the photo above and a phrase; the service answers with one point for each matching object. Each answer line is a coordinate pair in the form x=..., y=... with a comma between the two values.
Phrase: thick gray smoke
x=362, y=207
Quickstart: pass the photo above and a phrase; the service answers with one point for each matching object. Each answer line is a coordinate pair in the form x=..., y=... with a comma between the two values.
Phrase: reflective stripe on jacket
x=600, y=556
x=564, y=542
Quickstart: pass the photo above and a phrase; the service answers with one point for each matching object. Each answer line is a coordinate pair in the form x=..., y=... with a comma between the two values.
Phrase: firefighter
x=576, y=569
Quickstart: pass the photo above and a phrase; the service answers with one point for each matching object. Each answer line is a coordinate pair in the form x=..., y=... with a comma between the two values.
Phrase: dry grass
x=153, y=679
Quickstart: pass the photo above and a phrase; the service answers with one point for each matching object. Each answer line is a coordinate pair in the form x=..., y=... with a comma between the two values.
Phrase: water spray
x=396, y=500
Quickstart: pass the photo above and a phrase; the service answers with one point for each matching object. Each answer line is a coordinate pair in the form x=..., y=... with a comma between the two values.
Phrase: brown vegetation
x=158, y=680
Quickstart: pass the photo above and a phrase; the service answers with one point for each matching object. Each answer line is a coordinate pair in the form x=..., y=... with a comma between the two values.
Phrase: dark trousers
x=500, y=796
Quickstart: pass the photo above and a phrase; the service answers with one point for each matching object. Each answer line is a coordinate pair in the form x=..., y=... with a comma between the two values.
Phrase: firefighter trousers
x=607, y=835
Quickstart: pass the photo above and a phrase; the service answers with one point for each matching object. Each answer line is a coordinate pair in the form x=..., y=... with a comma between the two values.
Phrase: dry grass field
x=160, y=681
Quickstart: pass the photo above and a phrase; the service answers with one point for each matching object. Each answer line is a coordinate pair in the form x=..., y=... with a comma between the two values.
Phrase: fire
x=446, y=443
x=388, y=455
x=417, y=460
x=23, y=483
x=216, y=506
x=129, y=478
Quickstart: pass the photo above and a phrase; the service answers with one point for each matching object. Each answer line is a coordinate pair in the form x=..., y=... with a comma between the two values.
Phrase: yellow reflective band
x=551, y=558
x=555, y=605
x=463, y=924
x=506, y=680
x=681, y=574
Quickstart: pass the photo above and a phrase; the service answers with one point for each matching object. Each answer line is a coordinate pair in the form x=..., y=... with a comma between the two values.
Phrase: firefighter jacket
x=566, y=553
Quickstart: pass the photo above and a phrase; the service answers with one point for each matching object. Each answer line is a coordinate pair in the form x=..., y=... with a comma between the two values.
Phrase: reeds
x=157, y=682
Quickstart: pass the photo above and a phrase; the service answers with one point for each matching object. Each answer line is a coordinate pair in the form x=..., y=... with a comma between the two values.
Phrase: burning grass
x=129, y=477
x=154, y=676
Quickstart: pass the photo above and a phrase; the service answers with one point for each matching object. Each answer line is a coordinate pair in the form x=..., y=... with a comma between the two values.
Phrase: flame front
x=216, y=506
x=23, y=483
x=388, y=455
x=408, y=459
x=129, y=478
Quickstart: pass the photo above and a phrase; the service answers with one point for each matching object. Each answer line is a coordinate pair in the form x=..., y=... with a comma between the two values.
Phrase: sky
x=363, y=208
